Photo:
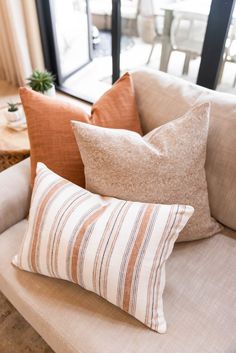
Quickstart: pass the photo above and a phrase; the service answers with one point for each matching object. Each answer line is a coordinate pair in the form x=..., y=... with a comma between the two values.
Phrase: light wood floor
x=16, y=335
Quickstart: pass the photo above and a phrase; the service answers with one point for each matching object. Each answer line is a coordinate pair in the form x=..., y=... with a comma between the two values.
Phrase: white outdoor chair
x=187, y=35
x=103, y=8
x=158, y=18
x=230, y=51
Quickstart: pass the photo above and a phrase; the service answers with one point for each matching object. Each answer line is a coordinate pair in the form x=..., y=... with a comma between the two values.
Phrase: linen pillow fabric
x=51, y=138
x=112, y=247
x=117, y=107
x=165, y=166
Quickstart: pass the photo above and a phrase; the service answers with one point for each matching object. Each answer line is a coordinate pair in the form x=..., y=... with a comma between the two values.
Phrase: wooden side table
x=14, y=145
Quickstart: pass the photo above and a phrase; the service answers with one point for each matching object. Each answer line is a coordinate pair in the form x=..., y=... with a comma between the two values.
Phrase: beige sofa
x=200, y=294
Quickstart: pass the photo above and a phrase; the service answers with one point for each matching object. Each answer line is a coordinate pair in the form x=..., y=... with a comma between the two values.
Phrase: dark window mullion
x=116, y=39
x=49, y=46
x=214, y=44
x=46, y=32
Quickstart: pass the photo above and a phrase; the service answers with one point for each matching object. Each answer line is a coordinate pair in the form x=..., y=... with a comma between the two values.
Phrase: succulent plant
x=12, y=107
x=41, y=81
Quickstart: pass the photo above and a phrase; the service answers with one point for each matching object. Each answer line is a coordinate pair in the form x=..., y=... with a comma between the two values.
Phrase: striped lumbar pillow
x=112, y=247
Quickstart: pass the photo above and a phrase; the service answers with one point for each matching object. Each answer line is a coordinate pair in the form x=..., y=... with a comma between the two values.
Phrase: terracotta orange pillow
x=51, y=138
x=117, y=107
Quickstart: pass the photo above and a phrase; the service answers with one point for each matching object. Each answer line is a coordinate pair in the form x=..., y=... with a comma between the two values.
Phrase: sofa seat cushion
x=199, y=303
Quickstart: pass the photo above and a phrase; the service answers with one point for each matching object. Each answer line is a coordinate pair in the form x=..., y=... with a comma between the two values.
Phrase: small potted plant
x=42, y=82
x=14, y=114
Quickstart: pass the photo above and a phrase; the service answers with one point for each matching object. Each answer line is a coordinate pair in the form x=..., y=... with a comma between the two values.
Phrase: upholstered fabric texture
x=112, y=247
x=15, y=194
x=199, y=303
x=165, y=166
x=117, y=108
x=162, y=98
x=51, y=138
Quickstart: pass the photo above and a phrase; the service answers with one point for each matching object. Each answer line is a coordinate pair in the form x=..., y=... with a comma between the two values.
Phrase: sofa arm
x=15, y=193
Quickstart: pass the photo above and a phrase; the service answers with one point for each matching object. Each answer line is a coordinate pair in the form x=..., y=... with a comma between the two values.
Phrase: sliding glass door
x=88, y=44
x=227, y=74
x=71, y=29
x=77, y=44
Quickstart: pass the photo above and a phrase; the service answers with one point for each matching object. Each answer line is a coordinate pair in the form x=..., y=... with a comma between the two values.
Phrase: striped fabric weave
x=112, y=247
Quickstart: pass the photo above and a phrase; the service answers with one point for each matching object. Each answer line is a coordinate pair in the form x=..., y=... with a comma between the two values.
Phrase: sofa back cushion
x=162, y=98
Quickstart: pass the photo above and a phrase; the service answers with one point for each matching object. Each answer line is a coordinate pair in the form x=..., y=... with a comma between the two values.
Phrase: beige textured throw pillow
x=165, y=166
x=114, y=248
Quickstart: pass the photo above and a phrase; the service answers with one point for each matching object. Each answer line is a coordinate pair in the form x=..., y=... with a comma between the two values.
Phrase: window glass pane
x=82, y=31
x=71, y=34
x=227, y=76
x=164, y=34
x=134, y=46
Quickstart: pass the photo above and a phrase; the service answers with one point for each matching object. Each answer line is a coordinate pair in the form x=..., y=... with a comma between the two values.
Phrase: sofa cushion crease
x=15, y=193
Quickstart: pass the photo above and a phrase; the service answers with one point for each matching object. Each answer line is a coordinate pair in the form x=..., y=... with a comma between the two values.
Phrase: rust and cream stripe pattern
x=114, y=248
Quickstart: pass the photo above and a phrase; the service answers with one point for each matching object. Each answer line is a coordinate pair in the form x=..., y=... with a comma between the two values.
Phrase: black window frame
x=218, y=24
x=50, y=49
